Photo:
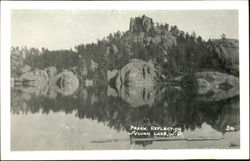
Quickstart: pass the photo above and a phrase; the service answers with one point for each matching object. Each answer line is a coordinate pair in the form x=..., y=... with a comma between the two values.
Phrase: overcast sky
x=64, y=29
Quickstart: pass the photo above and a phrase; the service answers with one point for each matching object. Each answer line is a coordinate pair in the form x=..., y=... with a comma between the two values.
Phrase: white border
x=243, y=152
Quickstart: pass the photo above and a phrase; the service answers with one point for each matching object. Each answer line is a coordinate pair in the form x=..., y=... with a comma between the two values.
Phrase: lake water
x=100, y=118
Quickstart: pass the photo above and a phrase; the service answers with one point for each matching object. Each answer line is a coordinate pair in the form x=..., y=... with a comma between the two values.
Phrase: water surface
x=97, y=118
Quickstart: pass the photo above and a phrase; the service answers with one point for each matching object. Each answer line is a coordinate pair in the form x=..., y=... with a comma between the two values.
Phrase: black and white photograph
x=120, y=79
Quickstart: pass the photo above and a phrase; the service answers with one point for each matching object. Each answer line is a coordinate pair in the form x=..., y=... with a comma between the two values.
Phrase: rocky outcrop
x=137, y=72
x=147, y=33
x=47, y=82
x=168, y=40
x=215, y=86
x=135, y=83
x=36, y=78
x=226, y=54
x=141, y=24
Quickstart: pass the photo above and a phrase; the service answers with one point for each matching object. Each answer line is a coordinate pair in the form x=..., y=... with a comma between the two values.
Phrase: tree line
x=175, y=52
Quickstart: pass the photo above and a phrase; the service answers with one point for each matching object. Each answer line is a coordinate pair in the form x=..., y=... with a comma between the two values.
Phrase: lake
x=99, y=117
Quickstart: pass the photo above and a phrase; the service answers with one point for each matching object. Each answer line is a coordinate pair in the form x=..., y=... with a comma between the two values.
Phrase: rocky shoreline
x=148, y=53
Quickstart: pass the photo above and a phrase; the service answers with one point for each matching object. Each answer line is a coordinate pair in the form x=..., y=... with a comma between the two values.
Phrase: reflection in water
x=135, y=83
x=174, y=107
x=46, y=83
x=132, y=98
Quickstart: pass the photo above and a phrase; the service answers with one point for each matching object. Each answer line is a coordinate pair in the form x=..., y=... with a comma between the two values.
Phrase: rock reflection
x=177, y=107
x=137, y=95
x=135, y=83
x=47, y=83
x=215, y=86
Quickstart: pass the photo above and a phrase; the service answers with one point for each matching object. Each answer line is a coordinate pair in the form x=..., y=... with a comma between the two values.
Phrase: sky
x=65, y=29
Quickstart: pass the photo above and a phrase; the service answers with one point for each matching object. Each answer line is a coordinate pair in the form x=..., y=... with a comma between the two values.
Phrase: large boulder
x=137, y=72
x=216, y=86
x=65, y=83
x=135, y=83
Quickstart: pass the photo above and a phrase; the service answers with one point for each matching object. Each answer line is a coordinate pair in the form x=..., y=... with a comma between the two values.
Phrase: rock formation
x=139, y=24
x=137, y=72
x=146, y=32
x=226, y=54
x=215, y=86
x=47, y=82
x=135, y=83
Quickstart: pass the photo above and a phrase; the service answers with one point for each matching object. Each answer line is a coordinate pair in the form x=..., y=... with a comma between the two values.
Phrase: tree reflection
x=173, y=107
